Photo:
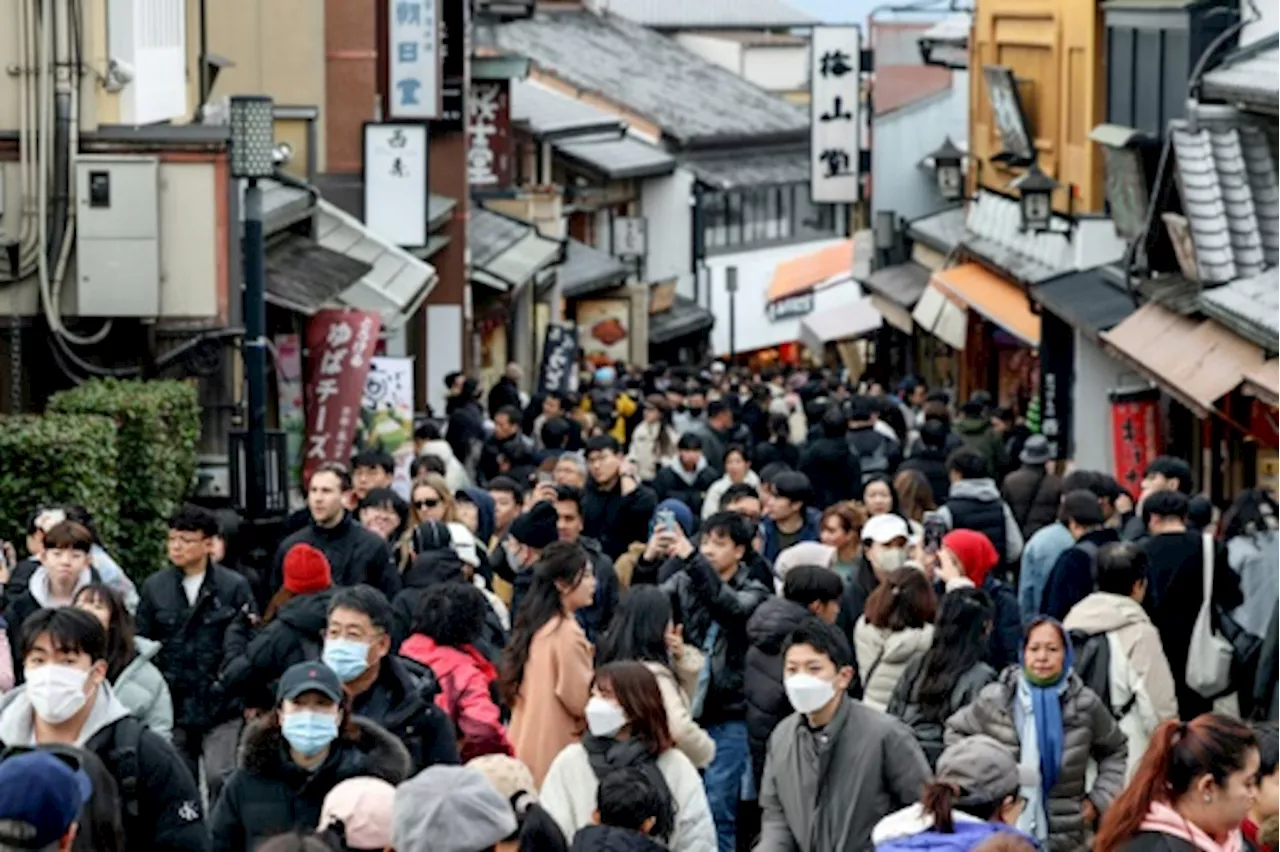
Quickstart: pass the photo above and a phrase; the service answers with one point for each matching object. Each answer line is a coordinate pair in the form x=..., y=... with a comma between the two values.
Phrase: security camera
x=119, y=75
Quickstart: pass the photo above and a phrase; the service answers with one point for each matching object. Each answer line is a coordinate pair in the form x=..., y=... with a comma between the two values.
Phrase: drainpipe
x=61, y=130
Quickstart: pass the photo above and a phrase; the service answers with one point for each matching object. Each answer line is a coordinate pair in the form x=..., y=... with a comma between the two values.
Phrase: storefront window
x=743, y=219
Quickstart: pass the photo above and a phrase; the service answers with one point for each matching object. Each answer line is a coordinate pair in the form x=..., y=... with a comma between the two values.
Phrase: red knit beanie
x=974, y=550
x=306, y=570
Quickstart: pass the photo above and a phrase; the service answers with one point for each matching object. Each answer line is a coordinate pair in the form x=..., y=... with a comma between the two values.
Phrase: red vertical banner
x=339, y=346
x=489, y=139
x=1135, y=433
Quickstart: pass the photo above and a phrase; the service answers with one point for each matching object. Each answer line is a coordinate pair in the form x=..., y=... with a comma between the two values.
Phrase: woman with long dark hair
x=896, y=628
x=645, y=630
x=1193, y=789
x=1057, y=728
x=628, y=727
x=133, y=677
x=545, y=673
x=915, y=495
x=291, y=757
x=950, y=674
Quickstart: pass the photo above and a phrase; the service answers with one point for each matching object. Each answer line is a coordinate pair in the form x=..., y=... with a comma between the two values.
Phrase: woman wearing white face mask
x=291, y=758
x=628, y=728
x=895, y=630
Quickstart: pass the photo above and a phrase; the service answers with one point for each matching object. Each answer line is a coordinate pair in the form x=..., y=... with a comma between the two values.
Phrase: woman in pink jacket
x=450, y=619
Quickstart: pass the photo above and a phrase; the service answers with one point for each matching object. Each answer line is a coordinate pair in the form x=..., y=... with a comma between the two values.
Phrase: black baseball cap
x=311, y=676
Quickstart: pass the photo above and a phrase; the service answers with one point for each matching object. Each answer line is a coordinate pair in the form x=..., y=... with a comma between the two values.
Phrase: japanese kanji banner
x=835, y=114
x=340, y=345
x=559, y=360
x=1135, y=428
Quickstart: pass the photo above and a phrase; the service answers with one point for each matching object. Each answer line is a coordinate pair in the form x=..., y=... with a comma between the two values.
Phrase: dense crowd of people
x=694, y=610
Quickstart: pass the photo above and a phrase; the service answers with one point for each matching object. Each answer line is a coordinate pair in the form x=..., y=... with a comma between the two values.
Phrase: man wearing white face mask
x=393, y=691
x=66, y=700
x=835, y=767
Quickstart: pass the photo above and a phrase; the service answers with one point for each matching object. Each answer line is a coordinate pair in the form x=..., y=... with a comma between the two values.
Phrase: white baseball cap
x=885, y=528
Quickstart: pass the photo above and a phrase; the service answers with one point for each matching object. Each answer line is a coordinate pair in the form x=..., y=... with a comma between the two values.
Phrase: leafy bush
x=158, y=429
x=55, y=460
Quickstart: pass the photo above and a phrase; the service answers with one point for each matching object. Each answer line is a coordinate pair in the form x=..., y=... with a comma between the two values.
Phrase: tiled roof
x=994, y=231
x=902, y=284
x=899, y=86
x=1249, y=306
x=588, y=270
x=548, y=112
x=616, y=157
x=941, y=231
x=1091, y=300
x=709, y=14
x=733, y=169
x=489, y=235
x=690, y=98
x=1227, y=178
x=1249, y=77
x=683, y=318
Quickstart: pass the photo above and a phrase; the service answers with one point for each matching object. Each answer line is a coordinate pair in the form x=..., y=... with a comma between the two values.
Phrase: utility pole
x=731, y=287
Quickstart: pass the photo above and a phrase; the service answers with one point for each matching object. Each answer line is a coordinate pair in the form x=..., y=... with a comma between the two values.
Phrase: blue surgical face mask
x=308, y=732
x=346, y=657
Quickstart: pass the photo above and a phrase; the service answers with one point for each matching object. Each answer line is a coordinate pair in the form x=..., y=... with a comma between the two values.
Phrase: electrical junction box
x=117, y=236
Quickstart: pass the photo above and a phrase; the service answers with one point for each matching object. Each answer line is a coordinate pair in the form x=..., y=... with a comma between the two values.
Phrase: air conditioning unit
x=147, y=46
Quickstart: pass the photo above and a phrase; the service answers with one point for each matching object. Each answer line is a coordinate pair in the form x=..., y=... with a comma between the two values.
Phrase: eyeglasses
x=426, y=504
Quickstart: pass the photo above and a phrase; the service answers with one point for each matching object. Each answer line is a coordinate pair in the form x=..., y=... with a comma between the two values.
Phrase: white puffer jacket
x=883, y=656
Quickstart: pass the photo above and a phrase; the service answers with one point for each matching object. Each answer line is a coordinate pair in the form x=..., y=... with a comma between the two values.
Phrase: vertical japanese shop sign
x=835, y=114
x=559, y=360
x=396, y=182
x=340, y=345
x=413, y=54
x=489, y=134
x=1057, y=371
x=1135, y=431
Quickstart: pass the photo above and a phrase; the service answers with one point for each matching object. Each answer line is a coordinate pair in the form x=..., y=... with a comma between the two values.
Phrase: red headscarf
x=975, y=551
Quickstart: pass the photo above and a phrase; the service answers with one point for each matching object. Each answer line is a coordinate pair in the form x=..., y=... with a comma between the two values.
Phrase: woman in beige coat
x=653, y=443
x=895, y=630
x=643, y=631
x=546, y=669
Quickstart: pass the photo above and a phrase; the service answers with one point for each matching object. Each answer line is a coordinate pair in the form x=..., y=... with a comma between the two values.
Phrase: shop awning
x=1263, y=382
x=1197, y=362
x=809, y=270
x=1088, y=301
x=303, y=276
x=396, y=284
x=506, y=254
x=895, y=290
x=616, y=157
x=733, y=169
x=588, y=270
x=1002, y=302
x=844, y=322
x=683, y=319
x=943, y=315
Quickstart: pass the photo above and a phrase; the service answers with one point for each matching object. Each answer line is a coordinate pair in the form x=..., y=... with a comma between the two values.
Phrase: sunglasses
x=426, y=504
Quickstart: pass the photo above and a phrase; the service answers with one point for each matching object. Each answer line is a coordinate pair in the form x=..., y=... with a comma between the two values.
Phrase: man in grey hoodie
x=974, y=503
x=67, y=701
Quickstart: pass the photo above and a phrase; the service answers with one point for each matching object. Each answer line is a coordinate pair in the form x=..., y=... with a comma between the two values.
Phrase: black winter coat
x=403, y=701
x=774, y=452
x=833, y=470
x=1033, y=495
x=1074, y=575
x=441, y=566
x=605, y=838
x=1156, y=841
x=355, y=556
x=767, y=703
x=294, y=635
x=705, y=599
x=854, y=601
x=197, y=642
x=269, y=794
x=876, y=453
x=933, y=464
x=671, y=484
x=929, y=724
x=614, y=520
x=1005, y=642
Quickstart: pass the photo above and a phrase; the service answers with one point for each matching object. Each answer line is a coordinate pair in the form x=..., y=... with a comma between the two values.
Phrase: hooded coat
x=673, y=482
x=1089, y=733
x=1139, y=672
x=978, y=434
x=975, y=504
x=466, y=681
x=883, y=656
x=294, y=635
x=711, y=502
x=168, y=817
x=929, y=727
x=355, y=555
x=833, y=468
x=767, y=704
x=142, y=689
x=269, y=794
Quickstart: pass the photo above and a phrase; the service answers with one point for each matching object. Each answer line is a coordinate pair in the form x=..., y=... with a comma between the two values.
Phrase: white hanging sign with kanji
x=835, y=117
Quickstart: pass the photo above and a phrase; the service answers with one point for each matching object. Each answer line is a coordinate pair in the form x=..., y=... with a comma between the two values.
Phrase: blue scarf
x=1046, y=708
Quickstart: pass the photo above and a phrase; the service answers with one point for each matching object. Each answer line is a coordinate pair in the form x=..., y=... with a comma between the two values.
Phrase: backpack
x=1093, y=665
x=877, y=462
x=119, y=749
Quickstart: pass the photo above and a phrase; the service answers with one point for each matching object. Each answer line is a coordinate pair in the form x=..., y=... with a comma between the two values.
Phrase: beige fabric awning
x=1263, y=382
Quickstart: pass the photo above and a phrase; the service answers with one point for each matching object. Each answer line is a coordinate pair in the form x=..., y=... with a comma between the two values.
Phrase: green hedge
x=58, y=459
x=158, y=428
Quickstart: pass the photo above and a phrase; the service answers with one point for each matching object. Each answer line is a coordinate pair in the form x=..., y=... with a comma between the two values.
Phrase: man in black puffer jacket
x=355, y=554
x=397, y=693
x=975, y=504
x=809, y=591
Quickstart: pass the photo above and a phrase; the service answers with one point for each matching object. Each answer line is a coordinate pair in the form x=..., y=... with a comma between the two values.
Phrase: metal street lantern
x=253, y=156
x=1035, y=189
x=946, y=168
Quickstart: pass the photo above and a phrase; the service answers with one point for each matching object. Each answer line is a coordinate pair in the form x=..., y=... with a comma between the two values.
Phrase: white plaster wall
x=777, y=68
x=903, y=138
x=755, y=271
x=665, y=202
x=722, y=51
x=1096, y=373
x=1266, y=25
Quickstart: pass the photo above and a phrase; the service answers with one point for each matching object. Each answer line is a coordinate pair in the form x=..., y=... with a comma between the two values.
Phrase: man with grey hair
x=40, y=801
x=571, y=469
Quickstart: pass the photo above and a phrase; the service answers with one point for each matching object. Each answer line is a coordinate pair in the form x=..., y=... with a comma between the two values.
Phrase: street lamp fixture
x=946, y=168
x=252, y=137
x=1035, y=189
